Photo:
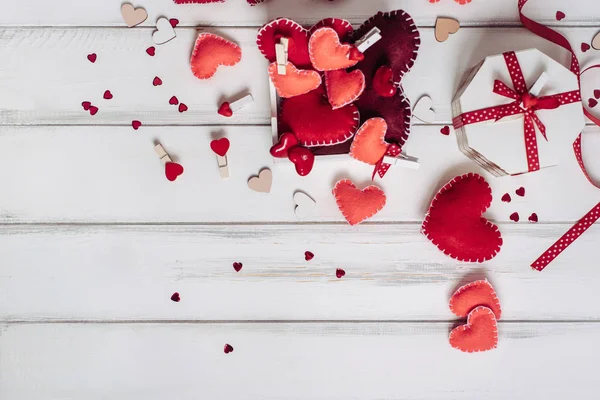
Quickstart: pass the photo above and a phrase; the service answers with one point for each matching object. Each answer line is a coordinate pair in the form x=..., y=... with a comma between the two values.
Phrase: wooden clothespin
x=220, y=147
x=172, y=169
x=164, y=157
x=372, y=37
x=281, y=53
x=402, y=160
x=240, y=103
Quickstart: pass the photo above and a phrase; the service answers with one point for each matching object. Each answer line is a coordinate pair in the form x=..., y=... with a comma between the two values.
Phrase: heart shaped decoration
x=308, y=255
x=444, y=27
x=237, y=266
x=342, y=27
x=211, y=52
x=358, y=205
x=506, y=198
x=135, y=124
x=270, y=34
x=445, y=130
x=175, y=297
x=596, y=41
x=92, y=57
x=472, y=295
x=164, y=32
x=326, y=51
x=454, y=222
x=344, y=87
x=157, y=81
x=304, y=205
x=340, y=273
x=182, y=107
x=133, y=16
x=225, y=109
x=560, y=15
x=281, y=148
x=107, y=95
x=479, y=334
x=533, y=218
x=597, y=94
x=173, y=101
x=514, y=217
x=228, y=348
x=313, y=121
x=423, y=110
x=303, y=159
x=383, y=82
x=151, y=51
x=173, y=171
x=295, y=82
x=369, y=144
x=261, y=183
x=220, y=147
x=585, y=47
x=520, y=191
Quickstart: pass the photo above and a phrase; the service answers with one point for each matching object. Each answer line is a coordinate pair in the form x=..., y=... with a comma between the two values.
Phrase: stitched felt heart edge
x=368, y=188
x=213, y=36
x=266, y=29
x=468, y=325
x=447, y=187
x=468, y=287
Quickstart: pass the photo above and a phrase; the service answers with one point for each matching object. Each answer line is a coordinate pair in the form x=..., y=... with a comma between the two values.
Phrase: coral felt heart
x=211, y=52
x=342, y=27
x=270, y=34
x=343, y=87
x=454, y=222
x=313, y=121
x=326, y=51
x=479, y=334
x=295, y=82
x=369, y=142
x=358, y=205
x=475, y=294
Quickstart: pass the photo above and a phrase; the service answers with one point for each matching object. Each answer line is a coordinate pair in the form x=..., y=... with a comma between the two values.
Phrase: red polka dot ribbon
x=594, y=214
x=524, y=103
x=381, y=167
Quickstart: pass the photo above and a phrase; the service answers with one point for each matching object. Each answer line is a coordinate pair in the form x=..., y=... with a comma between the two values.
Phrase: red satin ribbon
x=382, y=168
x=594, y=214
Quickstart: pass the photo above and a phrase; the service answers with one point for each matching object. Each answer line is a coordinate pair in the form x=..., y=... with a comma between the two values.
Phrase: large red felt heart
x=313, y=121
x=358, y=205
x=211, y=52
x=326, y=51
x=295, y=82
x=475, y=294
x=270, y=34
x=454, y=222
x=343, y=87
x=479, y=334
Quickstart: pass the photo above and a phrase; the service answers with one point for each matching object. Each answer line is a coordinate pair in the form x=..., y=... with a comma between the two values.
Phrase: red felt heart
x=173, y=170
x=342, y=27
x=472, y=295
x=592, y=103
x=108, y=95
x=92, y=57
x=237, y=266
x=285, y=143
x=454, y=222
x=514, y=217
x=326, y=51
x=445, y=130
x=358, y=205
x=86, y=105
x=533, y=218
x=303, y=159
x=520, y=191
x=136, y=124
x=173, y=101
x=369, y=144
x=585, y=47
x=506, y=198
x=295, y=82
x=220, y=146
x=175, y=297
x=211, y=52
x=228, y=348
x=93, y=110
x=597, y=93
x=270, y=34
x=383, y=82
x=225, y=110
x=560, y=15
x=157, y=81
x=151, y=51
x=340, y=273
x=313, y=121
x=479, y=334
x=308, y=255
x=344, y=87
x=182, y=107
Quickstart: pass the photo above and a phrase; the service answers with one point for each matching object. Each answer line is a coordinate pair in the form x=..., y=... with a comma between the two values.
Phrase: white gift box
x=499, y=145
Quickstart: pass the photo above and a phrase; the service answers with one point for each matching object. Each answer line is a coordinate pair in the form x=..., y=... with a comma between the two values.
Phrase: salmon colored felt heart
x=454, y=222
x=295, y=82
x=342, y=27
x=326, y=51
x=270, y=34
x=358, y=205
x=479, y=334
x=314, y=122
x=343, y=87
x=212, y=51
x=369, y=142
x=472, y=295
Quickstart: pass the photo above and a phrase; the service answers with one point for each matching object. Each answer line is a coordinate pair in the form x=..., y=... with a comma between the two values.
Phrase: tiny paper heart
x=173, y=170
x=304, y=205
x=212, y=51
x=520, y=192
x=444, y=27
x=479, y=334
x=472, y=295
x=533, y=218
x=173, y=101
x=308, y=255
x=93, y=110
x=344, y=87
x=592, y=102
x=560, y=15
x=295, y=82
x=228, y=348
x=383, y=82
x=445, y=130
x=506, y=198
x=86, y=105
x=342, y=27
x=151, y=51
x=237, y=266
x=92, y=57
x=597, y=94
x=164, y=32
x=182, y=107
x=175, y=297
x=225, y=109
x=514, y=217
x=596, y=41
x=261, y=183
x=326, y=51
x=454, y=222
x=358, y=205
x=282, y=147
x=369, y=144
x=423, y=110
x=157, y=81
x=303, y=159
x=220, y=146
x=136, y=124
x=174, y=22
x=340, y=273
x=107, y=95
x=133, y=16
x=270, y=34
x=585, y=47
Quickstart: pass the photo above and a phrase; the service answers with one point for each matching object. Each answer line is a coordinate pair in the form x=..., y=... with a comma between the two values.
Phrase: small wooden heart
x=424, y=111
x=444, y=27
x=133, y=16
x=304, y=204
x=164, y=32
x=261, y=183
x=596, y=41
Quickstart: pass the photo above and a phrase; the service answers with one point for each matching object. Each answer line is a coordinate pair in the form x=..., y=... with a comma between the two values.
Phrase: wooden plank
x=112, y=174
x=124, y=68
x=294, y=361
x=238, y=13
x=99, y=273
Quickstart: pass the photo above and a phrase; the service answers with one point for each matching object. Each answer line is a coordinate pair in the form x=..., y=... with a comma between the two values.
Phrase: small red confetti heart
x=506, y=198
x=237, y=266
x=86, y=105
x=173, y=170
x=520, y=192
x=93, y=110
x=228, y=348
x=220, y=146
x=92, y=57
x=514, y=217
x=445, y=130
x=585, y=47
x=308, y=255
x=174, y=22
x=157, y=81
x=560, y=15
x=340, y=273
x=136, y=124
x=182, y=108
x=597, y=93
x=225, y=110
x=592, y=103
x=173, y=101
x=533, y=218
x=176, y=297
x=108, y=95
x=151, y=51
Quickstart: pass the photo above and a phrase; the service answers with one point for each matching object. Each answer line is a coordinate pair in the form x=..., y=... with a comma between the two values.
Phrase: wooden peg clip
x=240, y=103
x=223, y=166
x=281, y=53
x=372, y=37
x=403, y=161
x=162, y=154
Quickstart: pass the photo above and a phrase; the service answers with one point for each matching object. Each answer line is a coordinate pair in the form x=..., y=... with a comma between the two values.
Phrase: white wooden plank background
x=94, y=240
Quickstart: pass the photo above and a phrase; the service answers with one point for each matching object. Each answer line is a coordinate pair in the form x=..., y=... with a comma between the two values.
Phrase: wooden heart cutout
x=423, y=110
x=596, y=41
x=444, y=27
x=261, y=183
x=295, y=82
x=344, y=87
x=164, y=31
x=304, y=204
x=358, y=205
x=212, y=51
x=479, y=334
x=133, y=16
x=369, y=144
x=326, y=51
x=472, y=295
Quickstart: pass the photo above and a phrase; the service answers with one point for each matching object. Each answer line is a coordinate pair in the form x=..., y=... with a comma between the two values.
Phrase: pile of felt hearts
x=327, y=84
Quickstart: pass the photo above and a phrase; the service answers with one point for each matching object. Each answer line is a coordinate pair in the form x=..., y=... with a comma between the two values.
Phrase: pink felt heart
x=211, y=52
x=358, y=205
x=270, y=34
x=472, y=295
x=343, y=87
x=295, y=82
x=326, y=51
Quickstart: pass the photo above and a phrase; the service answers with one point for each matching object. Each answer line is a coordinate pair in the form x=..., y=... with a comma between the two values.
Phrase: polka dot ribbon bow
x=524, y=103
x=382, y=167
